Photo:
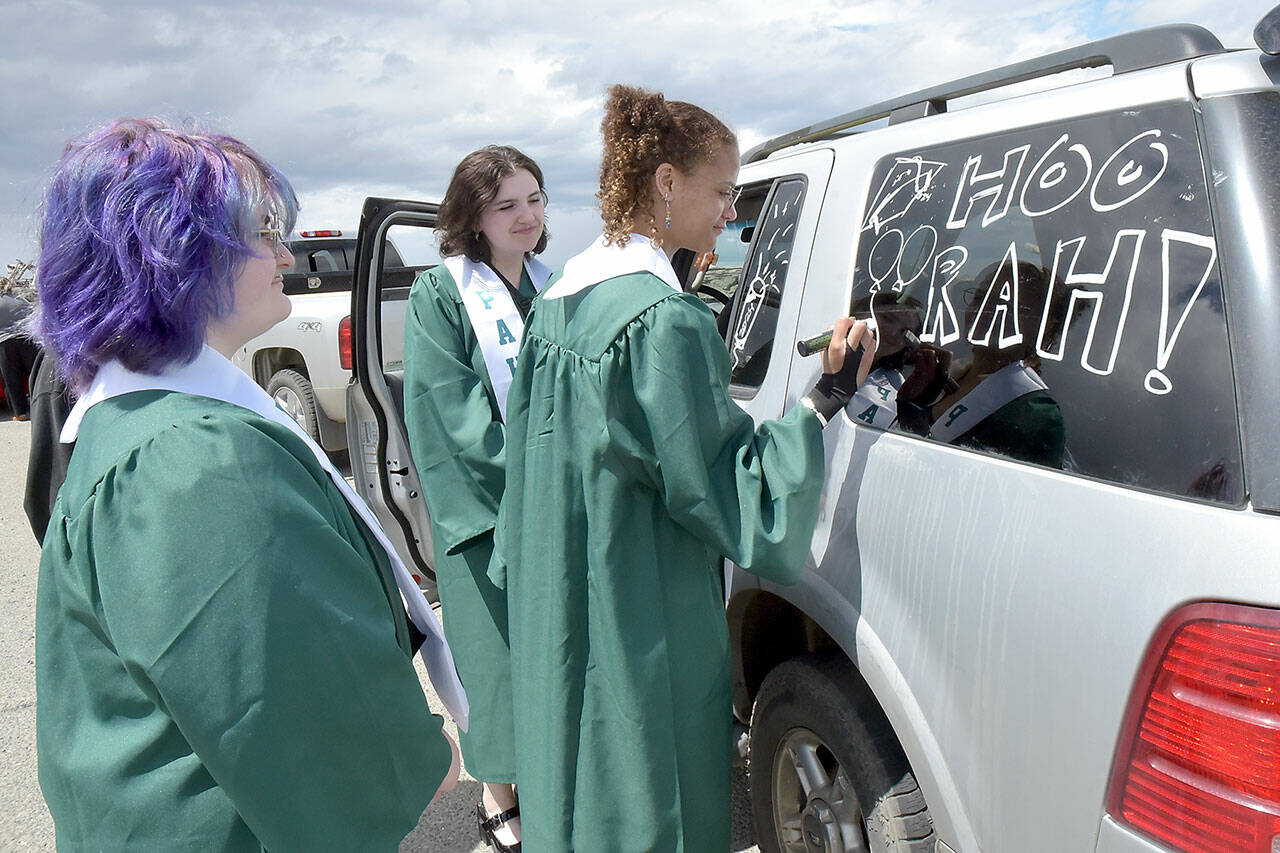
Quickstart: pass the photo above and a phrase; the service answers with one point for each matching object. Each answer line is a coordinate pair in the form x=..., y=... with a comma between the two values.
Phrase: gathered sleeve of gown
x=455, y=433
x=751, y=493
x=236, y=592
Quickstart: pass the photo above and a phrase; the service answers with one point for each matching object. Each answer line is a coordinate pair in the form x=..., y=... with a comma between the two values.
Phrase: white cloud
x=1231, y=22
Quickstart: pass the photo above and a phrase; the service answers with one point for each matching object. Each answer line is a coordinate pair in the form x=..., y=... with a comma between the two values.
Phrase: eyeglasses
x=273, y=237
x=731, y=196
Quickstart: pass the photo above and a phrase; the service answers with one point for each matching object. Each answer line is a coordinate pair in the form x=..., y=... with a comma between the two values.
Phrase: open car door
x=381, y=466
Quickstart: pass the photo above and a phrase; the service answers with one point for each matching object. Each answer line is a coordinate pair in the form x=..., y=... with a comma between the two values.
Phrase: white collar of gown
x=600, y=262
x=212, y=375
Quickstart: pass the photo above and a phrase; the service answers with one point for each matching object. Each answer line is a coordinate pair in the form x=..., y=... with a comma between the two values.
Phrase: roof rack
x=1129, y=52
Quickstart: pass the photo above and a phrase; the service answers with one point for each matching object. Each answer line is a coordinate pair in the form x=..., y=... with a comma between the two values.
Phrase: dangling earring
x=667, y=202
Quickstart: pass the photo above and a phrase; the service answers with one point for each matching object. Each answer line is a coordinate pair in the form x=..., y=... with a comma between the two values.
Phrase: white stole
x=497, y=322
x=599, y=262
x=1004, y=386
x=212, y=375
x=876, y=403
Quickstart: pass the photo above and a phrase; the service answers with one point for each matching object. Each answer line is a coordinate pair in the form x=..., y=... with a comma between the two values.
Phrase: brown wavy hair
x=641, y=131
x=473, y=186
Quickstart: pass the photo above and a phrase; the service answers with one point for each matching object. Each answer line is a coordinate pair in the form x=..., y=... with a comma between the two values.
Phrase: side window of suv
x=1052, y=295
x=767, y=217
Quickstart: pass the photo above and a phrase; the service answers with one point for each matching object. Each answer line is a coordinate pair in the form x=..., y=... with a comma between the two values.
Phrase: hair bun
x=635, y=109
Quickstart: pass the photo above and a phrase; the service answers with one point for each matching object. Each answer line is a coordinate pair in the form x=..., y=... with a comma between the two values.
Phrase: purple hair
x=145, y=229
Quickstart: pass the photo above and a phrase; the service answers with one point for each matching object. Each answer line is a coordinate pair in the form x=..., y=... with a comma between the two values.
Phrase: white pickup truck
x=304, y=361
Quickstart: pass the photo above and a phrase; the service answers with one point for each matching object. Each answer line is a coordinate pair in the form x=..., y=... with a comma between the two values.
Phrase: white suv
x=1040, y=612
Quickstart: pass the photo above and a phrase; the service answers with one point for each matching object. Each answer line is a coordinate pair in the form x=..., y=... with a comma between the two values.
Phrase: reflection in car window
x=328, y=260
x=1052, y=295
x=330, y=255
x=310, y=256
x=764, y=274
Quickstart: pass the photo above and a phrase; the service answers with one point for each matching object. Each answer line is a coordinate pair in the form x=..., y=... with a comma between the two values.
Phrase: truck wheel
x=292, y=392
x=826, y=771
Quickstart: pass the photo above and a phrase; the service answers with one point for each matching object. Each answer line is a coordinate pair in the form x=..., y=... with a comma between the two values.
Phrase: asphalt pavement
x=24, y=820
x=448, y=826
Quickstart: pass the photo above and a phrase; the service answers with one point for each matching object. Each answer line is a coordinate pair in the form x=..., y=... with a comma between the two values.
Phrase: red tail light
x=1198, y=766
x=344, y=343
x=331, y=232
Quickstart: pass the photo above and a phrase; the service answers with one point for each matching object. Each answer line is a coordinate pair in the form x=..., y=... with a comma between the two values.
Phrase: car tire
x=292, y=392
x=825, y=769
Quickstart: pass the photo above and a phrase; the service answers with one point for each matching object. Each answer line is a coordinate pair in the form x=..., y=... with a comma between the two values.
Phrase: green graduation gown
x=458, y=442
x=630, y=471
x=222, y=658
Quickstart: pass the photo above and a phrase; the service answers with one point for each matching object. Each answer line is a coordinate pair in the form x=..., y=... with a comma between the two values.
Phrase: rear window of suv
x=1070, y=273
x=331, y=255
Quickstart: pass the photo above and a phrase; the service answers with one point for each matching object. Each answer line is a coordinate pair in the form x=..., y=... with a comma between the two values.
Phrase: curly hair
x=473, y=186
x=642, y=131
x=145, y=228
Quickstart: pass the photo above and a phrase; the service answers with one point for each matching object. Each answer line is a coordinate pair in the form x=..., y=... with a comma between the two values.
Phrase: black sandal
x=489, y=825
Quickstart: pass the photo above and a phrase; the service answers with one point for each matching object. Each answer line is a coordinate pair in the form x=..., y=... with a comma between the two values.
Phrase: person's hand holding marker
x=846, y=361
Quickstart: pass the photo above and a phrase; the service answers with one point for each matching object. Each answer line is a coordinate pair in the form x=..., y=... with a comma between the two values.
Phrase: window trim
x=740, y=390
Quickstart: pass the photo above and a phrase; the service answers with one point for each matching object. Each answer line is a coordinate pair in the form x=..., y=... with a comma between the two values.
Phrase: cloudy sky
x=385, y=99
